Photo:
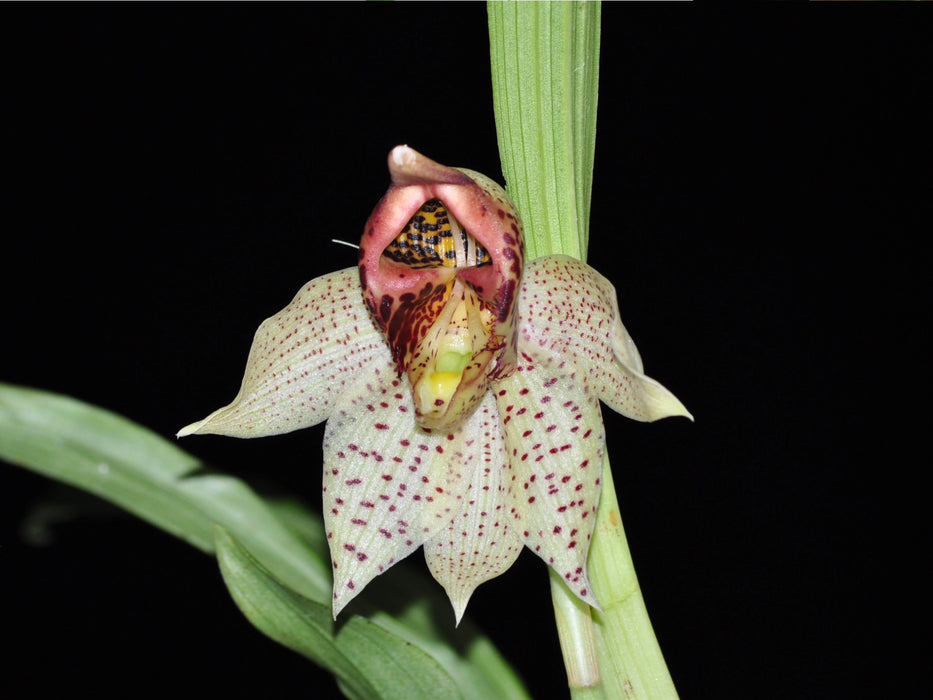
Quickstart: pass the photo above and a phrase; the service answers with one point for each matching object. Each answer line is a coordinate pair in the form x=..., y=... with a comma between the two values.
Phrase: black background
x=172, y=174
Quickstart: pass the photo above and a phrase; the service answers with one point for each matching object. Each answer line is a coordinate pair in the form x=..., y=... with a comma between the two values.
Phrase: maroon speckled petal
x=554, y=441
x=569, y=309
x=479, y=540
x=389, y=485
x=301, y=360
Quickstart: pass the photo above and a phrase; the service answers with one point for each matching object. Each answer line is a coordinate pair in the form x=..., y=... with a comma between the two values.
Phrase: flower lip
x=477, y=202
x=409, y=301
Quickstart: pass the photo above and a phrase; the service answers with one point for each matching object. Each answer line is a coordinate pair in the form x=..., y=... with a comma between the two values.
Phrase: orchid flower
x=460, y=385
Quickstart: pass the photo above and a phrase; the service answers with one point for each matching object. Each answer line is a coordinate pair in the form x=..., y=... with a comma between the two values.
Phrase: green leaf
x=368, y=661
x=465, y=653
x=468, y=656
x=130, y=466
x=545, y=71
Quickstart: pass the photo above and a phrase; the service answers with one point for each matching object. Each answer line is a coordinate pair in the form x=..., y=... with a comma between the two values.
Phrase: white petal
x=569, y=309
x=301, y=360
x=481, y=539
x=554, y=438
x=387, y=483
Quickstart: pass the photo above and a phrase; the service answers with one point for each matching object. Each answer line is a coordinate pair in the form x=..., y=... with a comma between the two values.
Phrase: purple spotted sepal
x=441, y=261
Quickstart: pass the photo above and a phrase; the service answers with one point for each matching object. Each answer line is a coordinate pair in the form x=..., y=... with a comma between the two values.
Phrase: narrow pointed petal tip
x=658, y=401
x=459, y=605
x=223, y=421
x=190, y=429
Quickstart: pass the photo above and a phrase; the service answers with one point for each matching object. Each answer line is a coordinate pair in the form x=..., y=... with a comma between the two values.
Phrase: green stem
x=630, y=659
x=545, y=72
x=576, y=633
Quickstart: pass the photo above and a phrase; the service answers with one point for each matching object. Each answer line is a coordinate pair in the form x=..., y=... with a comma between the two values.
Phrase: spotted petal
x=301, y=360
x=570, y=310
x=480, y=539
x=391, y=486
x=554, y=439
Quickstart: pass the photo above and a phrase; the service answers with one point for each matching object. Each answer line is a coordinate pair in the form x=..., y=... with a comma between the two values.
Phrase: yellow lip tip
x=444, y=384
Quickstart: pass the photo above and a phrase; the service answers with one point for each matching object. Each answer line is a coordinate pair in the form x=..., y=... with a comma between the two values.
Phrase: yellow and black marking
x=434, y=238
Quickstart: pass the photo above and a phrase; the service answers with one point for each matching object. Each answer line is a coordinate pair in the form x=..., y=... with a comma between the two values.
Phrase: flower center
x=452, y=348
